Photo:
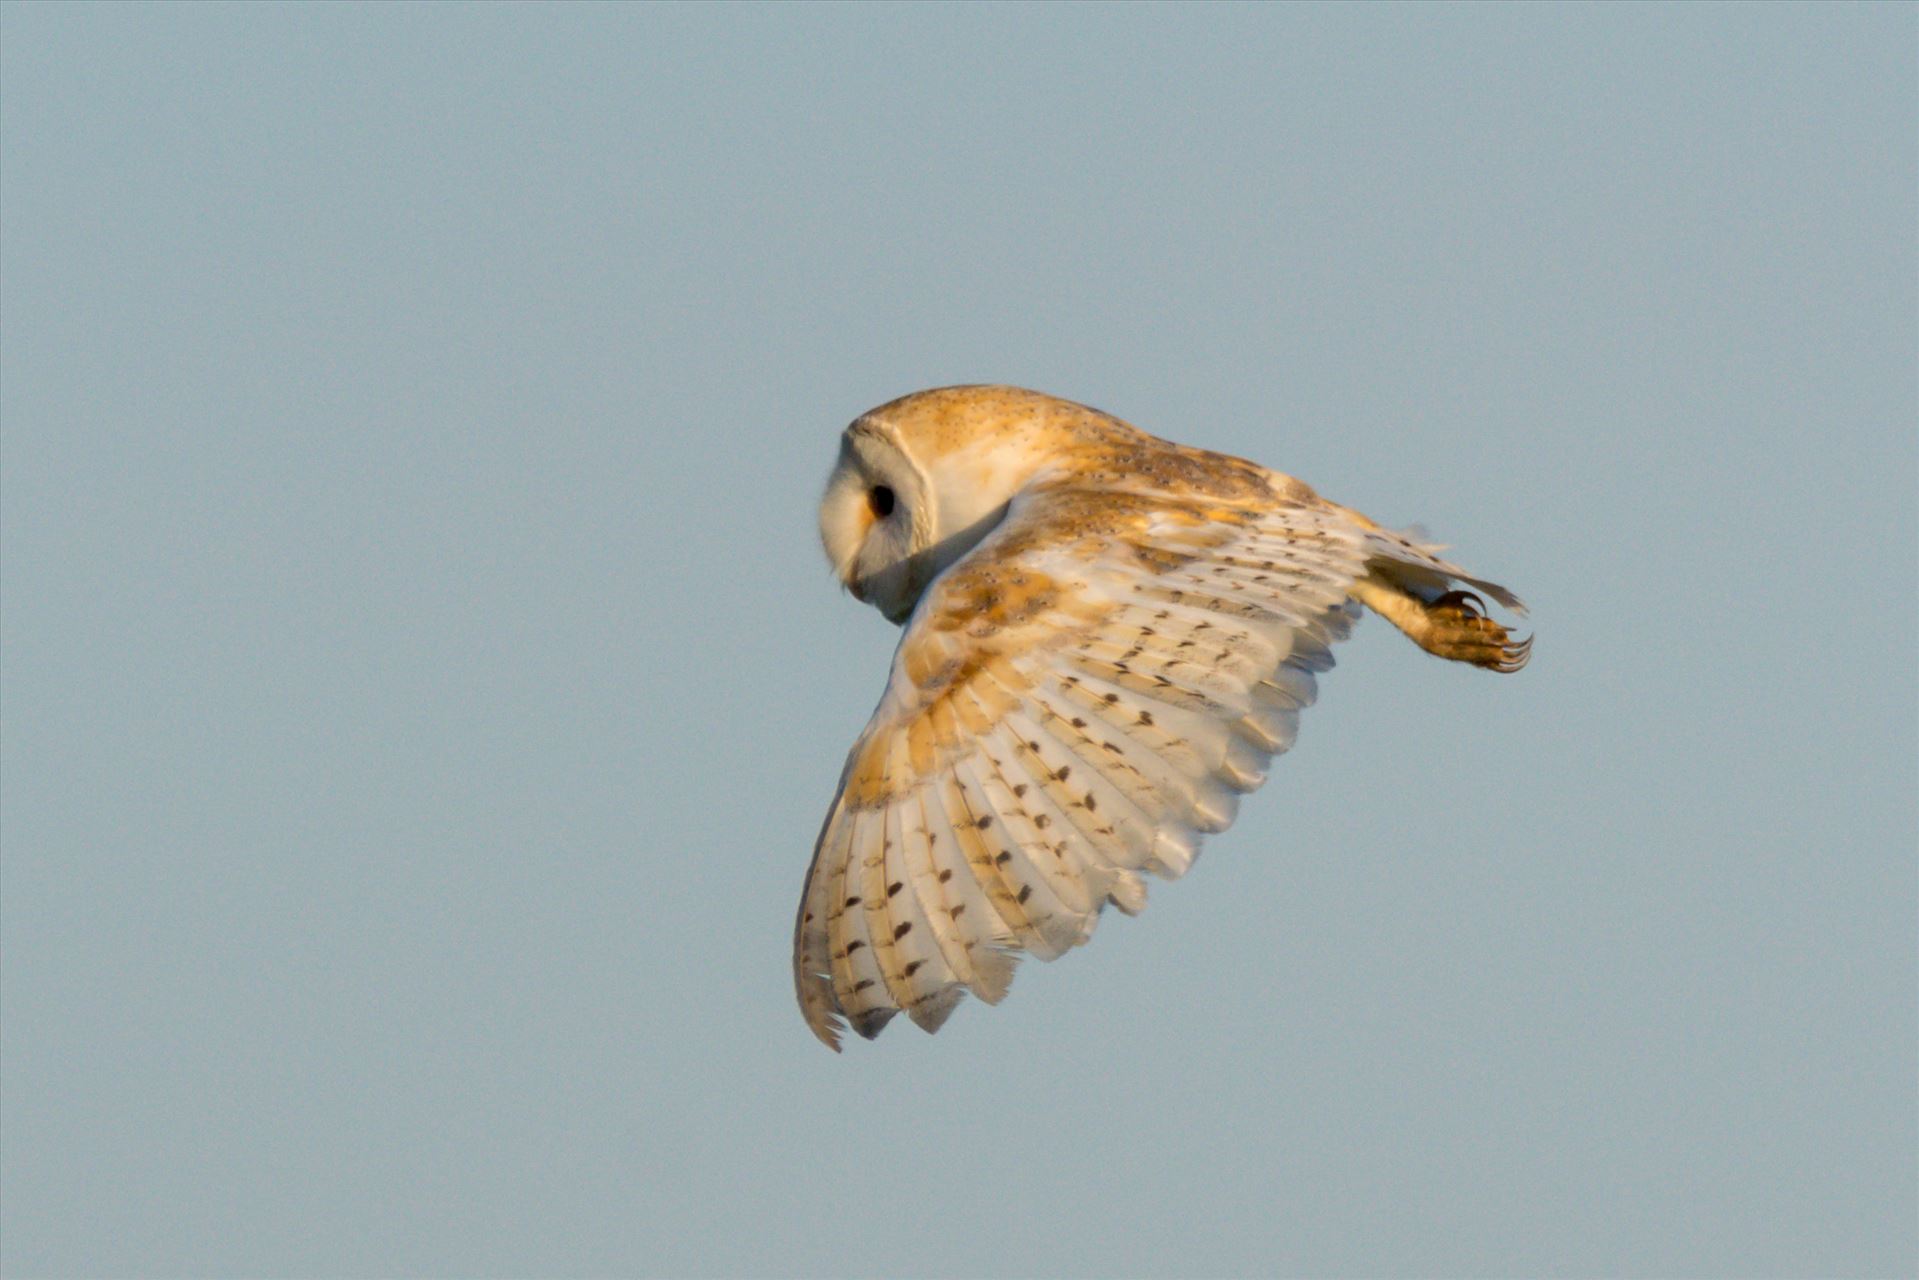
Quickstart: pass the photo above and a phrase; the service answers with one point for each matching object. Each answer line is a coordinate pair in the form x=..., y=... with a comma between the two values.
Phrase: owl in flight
x=1108, y=637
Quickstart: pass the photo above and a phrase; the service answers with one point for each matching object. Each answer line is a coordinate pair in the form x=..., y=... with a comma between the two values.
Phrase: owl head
x=921, y=480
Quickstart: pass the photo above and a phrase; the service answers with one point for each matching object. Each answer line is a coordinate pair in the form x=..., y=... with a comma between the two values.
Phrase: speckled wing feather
x=1074, y=703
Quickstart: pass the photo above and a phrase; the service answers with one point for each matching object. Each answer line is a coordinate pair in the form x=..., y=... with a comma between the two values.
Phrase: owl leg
x=1453, y=626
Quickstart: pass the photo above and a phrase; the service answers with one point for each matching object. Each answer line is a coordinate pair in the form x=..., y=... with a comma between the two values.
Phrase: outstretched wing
x=1075, y=702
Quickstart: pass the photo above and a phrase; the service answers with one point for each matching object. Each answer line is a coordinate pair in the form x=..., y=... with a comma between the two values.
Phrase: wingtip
x=817, y=1007
x=825, y=1028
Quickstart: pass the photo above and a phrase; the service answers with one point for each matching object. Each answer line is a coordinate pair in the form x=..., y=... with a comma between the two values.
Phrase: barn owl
x=1107, y=638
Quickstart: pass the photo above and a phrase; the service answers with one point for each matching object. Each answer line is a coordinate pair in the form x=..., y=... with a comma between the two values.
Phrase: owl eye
x=880, y=498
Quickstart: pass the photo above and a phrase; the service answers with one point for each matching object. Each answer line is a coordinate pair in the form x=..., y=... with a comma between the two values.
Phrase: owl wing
x=1076, y=701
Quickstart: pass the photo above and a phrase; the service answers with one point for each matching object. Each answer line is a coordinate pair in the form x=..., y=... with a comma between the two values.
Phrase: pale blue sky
x=421, y=684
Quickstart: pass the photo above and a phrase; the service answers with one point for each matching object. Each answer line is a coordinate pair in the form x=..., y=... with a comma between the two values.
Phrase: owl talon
x=1466, y=603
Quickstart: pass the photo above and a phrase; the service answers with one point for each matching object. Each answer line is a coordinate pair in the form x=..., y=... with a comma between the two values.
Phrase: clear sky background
x=422, y=685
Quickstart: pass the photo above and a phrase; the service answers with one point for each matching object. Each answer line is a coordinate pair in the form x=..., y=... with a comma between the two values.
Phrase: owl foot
x=1458, y=629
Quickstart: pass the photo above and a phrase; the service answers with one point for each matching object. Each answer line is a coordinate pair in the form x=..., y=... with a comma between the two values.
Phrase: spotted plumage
x=1108, y=637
